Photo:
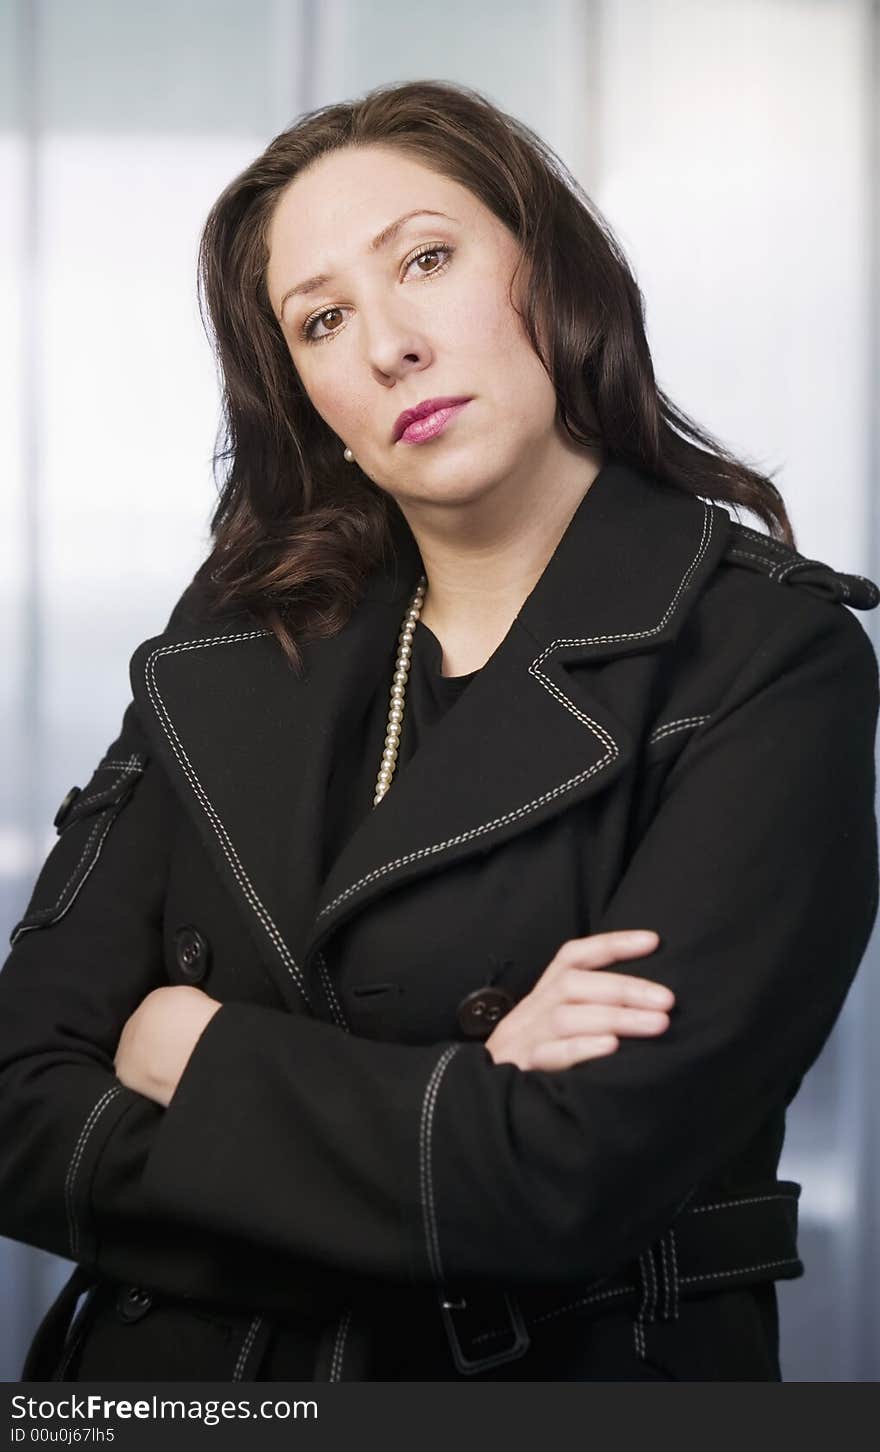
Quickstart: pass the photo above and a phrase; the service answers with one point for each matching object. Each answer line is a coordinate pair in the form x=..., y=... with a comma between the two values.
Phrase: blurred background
x=734, y=147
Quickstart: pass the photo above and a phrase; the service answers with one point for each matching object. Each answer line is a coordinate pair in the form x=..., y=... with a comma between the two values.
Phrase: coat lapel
x=249, y=744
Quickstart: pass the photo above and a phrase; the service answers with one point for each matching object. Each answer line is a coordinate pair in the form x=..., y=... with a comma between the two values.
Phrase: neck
x=483, y=559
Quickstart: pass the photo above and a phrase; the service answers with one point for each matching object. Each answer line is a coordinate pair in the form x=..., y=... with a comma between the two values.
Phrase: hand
x=573, y=1014
x=157, y=1040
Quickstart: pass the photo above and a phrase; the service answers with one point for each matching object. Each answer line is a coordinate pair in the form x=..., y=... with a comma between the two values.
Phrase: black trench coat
x=677, y=732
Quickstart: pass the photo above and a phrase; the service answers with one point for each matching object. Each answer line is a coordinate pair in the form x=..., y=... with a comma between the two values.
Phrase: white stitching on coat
x=781, y=574
x=782, y=568
x=667, y=1286
x=330, y=993
x=220, y=831
x=246, y=1346
x=535, y=670
x=733, y=1204
x=647, y=1310
x=768, y=540
x=768, y=565
x=742, y=1269
x=76, y=1160
x=638, y=1324
x=339, y=1346
x=100, y=821
x=652, y=1307
x=47, y=912
x=23, y=927
x=426, y=1188
x=136, y=764
x=466, y=836
x=679, y=724
x=573, y=1305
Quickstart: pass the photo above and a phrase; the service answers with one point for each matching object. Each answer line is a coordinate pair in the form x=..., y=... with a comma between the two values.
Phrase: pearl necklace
x=398, y=692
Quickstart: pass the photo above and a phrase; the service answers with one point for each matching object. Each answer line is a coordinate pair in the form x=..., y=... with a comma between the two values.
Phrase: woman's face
x=424, y=315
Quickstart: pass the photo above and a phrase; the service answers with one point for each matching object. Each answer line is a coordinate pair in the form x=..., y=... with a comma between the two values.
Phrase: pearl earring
x=348, y=456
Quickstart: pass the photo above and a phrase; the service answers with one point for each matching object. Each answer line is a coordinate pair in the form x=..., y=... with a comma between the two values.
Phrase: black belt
x=716, y=1244
x=719, y=1243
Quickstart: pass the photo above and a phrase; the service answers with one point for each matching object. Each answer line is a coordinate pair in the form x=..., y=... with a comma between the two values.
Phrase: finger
x=599, y=987
x=572, y=1020
x=601, y=948
x=563, y=1053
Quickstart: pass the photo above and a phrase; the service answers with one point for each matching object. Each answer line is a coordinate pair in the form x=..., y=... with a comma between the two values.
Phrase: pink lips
x=432, y=424
x=427, y=419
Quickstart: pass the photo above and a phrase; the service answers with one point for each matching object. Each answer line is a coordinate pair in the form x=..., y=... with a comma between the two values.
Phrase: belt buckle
x=450, y=1305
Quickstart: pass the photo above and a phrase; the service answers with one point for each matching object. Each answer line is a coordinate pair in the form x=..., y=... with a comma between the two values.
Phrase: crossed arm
x=575, y=1012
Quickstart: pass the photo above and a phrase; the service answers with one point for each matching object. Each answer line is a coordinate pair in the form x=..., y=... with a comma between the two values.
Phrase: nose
x=394, y=345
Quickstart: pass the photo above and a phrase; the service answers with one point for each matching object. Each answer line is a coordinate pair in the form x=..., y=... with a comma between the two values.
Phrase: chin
x=455, y=489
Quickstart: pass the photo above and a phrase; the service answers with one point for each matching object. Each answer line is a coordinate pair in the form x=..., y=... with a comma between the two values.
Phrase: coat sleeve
x=431, y=1163
x=85, y=953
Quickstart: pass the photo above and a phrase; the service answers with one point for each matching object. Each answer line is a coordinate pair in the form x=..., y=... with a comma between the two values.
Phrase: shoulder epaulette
x=756, y=551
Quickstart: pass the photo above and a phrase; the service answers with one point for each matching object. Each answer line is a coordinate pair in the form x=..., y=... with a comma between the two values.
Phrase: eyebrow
x=381, y=240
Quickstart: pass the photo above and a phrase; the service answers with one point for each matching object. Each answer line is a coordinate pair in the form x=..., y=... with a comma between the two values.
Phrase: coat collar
x=249, y=745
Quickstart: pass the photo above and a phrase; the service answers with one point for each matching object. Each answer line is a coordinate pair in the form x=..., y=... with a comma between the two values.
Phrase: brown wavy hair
x=297, y=530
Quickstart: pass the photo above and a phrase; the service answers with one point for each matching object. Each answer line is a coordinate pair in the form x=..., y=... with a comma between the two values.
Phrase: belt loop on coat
x=647, y=1279
x=668, y=1275
x=658, y=1282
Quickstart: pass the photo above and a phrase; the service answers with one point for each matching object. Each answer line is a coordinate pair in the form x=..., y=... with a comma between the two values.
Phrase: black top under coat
x=429, y=695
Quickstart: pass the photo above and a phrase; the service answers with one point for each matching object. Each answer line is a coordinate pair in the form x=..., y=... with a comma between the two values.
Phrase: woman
x=324, y=1049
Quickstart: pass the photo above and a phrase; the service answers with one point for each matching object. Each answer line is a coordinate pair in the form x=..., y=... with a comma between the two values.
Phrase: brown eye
x=435, y=252
x=308, y=330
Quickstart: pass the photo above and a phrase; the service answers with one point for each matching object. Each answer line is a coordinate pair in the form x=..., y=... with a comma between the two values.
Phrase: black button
x=479, y=1012
x=133, y=1302
x=65, y=807
x=193, y=953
